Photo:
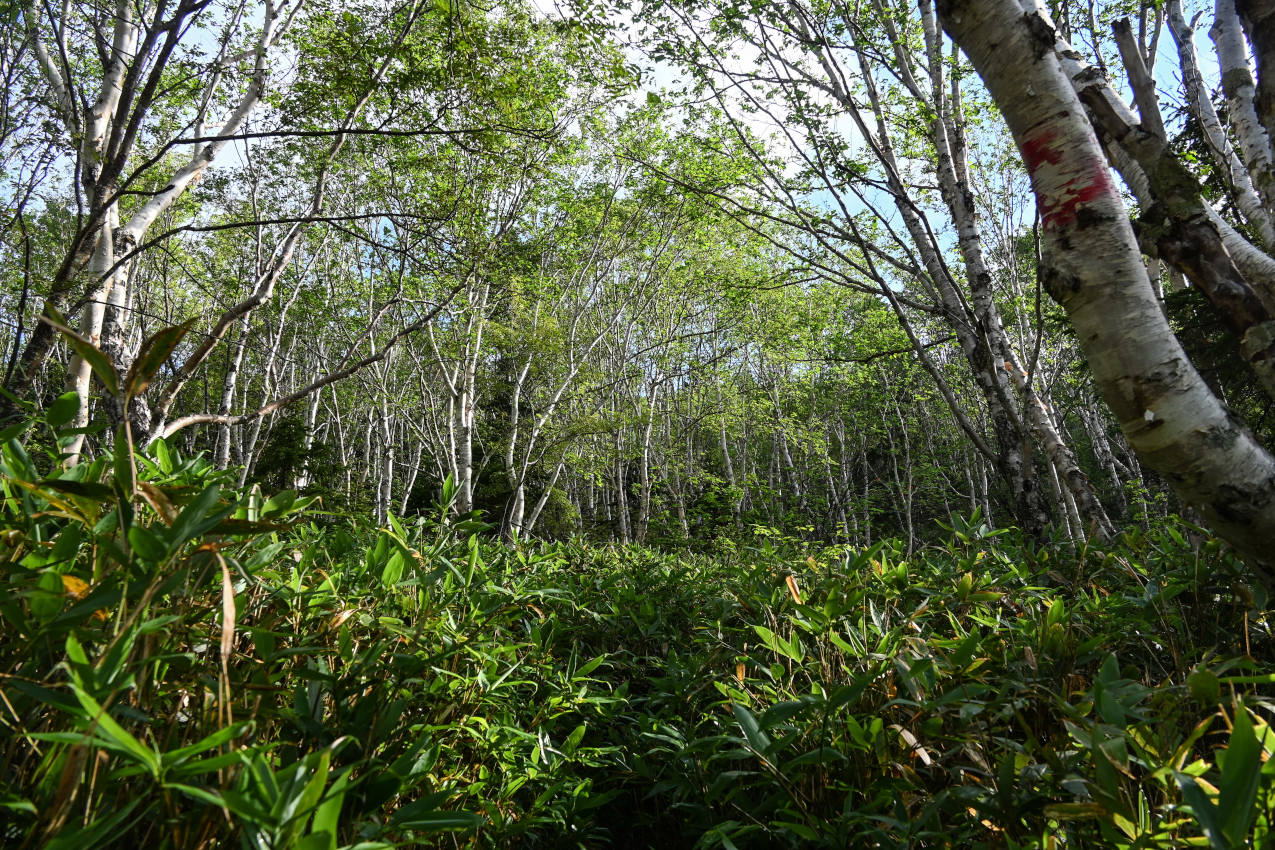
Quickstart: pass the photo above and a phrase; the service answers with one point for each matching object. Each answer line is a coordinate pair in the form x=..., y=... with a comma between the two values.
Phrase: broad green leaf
x=83, y=489
x=327, y=817
x=1241, y=775
x=210, y=742
x=146, y=544
x=163, y=456
x=317, y=840
x=279, y=504
x=781, y=712
x=63, y=410
x=1056, y=614
x=89, y=353
x=193, y=519
x=393, y=572
x=440, y=821
x=302, y=803
x=75, y=651
x=1206, y=813
x=154, y=351
x=756, y=738
x=850, y=693
x=14, y=803
x=47, y=596
x=800, y=830
x=204, y=795
x=207, y=765
x=589, y=666
x=573, y=740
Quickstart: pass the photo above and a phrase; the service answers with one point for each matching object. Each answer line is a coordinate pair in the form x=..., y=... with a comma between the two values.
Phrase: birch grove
x=846, y=275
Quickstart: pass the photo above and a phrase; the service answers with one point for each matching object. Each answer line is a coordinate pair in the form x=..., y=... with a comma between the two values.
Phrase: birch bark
x=1163, y=406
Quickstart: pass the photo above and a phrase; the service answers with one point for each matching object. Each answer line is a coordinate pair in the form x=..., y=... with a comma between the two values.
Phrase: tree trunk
x=1170, y=417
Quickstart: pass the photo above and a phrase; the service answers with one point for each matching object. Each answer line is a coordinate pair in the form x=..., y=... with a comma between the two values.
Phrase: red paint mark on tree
x=1063, y=184
x=1038, y=149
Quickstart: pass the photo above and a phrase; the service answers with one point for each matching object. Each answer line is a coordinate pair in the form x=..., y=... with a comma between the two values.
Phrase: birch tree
x=1169, y=414
x=106, y=107
x=865, y=113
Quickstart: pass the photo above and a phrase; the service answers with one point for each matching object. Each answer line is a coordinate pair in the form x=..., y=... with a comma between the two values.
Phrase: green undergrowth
x=183, y=665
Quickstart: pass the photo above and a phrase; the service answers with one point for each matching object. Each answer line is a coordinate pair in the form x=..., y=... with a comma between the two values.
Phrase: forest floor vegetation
x=185, y=665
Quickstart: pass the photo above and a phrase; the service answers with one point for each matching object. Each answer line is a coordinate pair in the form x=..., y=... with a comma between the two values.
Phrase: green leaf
x=572, y=742
x=393, y=572
x=302, y=804
x=588, y=667
x=800, y=830
x=425, y=815
x=210, y=742
x=1241, y=775
x=841, y=643
x=154, y=351
x=47, y=596
x=163, y=456
x=1205, y=812
x=781, y=712
x=147, y=544
x=756, y=738
x=327, y=817
x=193, y=520
x=83, y=489
x=789, y=649
x=111, y=729
x=14, y=803
x=439, y=821
x=850, y=693
x=208, y=765
x=1057, y=613
x=63, y=410
x=75, y=651
x=315, y=841
x=279, y=504
x=204, y=795
x=964, y=652
x=86, y=350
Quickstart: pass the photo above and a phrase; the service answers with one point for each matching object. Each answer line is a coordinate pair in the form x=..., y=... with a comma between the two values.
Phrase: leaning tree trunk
x=1171, y=418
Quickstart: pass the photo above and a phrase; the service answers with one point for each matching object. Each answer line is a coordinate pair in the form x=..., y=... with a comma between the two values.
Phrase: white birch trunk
x=1163, y=406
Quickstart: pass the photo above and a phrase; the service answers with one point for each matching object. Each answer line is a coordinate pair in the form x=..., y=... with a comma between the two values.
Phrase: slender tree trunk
x=544, y=498
x=643, y=520
x=1241, y=94
x=385, y=482
x=224, y=436
x=91, y=328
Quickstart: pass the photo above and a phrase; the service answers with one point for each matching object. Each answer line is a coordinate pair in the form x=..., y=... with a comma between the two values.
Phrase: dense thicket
x=186, y=665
